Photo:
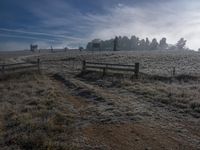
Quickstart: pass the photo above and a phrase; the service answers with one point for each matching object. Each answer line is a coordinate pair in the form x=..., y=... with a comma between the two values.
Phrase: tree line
x=135, y=43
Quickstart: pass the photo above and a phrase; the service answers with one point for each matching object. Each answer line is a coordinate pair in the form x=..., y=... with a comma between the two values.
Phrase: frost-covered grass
x=151, y=62
x=182, y=95
x=33, y=114
x=38, y=112
x=159, y=62
x=178, y=93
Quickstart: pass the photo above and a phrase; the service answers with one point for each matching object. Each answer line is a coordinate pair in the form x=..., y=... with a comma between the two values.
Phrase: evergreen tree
x=181, y=44
x=142, y=45
x=134, y=43
x=154, y=45
x=147, y=45
x=89, y=46
x=163, y=44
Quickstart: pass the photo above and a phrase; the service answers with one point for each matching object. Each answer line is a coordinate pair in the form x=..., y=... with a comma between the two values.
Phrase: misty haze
x=100, y=75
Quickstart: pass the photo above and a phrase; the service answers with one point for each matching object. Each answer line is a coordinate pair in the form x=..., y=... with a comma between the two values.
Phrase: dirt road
x=115, y=118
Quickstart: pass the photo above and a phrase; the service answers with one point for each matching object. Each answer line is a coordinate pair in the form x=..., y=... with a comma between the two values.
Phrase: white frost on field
x=151, y=62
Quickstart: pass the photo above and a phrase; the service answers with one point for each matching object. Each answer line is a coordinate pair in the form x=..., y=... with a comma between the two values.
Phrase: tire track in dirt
x=101, y=108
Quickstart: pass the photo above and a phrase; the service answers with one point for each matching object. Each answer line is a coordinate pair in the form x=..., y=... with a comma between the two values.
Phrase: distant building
x=81, y=48
x=96, y=46
x=51, y=49
x=66, y=48
x=33, y=48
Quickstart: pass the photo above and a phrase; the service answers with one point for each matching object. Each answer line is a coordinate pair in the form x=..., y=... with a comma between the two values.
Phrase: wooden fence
x=19, y=66
x=116, y=67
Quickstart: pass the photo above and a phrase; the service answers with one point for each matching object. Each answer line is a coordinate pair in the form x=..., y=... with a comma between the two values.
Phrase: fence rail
x=19, y=66
x=110, y=64
x=106, y=66
x=15, y=64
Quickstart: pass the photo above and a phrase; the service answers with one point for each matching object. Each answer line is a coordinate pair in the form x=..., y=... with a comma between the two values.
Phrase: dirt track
x=120, y=120
x=114, y=113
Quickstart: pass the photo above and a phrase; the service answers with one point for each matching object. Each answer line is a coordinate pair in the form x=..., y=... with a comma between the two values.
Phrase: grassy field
x=34, y=114
x=61, y=108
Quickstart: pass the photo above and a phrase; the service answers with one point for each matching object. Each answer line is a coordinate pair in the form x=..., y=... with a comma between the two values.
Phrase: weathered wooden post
x=38, y=64
x=83, y=65
x=3, y=69
x=174, y=71
x=136, y=70
x=115, y=44
x=104, y=71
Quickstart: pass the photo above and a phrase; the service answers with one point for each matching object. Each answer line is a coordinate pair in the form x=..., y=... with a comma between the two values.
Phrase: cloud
x=169, y=19
x=39, y=33
x=24, y=37
x=69, y=25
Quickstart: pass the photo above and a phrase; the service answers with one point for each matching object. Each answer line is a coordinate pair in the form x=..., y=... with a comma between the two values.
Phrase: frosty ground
x=62, y=108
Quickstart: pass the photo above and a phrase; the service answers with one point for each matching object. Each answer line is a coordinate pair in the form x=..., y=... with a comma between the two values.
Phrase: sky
x=73, y=23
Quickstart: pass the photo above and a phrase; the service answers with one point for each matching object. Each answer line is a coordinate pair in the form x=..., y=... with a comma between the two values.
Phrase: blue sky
x=73, y=23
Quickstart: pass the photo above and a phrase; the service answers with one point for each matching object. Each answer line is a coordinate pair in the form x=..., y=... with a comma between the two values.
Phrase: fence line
x=19, y=66
x=106, y=66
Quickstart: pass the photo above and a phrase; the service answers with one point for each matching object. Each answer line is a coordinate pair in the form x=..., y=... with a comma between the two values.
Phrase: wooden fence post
x=38, y=64
x=137, y=70
x=3, y=69
x=174, y=71
x=104, y=71
x=84, y=65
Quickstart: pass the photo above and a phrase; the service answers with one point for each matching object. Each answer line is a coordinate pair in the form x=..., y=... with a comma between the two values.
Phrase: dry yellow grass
x=33, y=114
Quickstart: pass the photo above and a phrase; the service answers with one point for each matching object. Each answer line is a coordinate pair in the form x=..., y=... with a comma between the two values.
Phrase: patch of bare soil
x=136, y=136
